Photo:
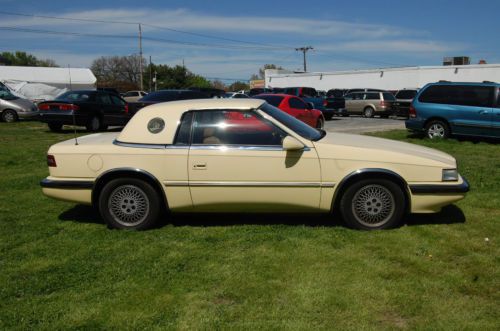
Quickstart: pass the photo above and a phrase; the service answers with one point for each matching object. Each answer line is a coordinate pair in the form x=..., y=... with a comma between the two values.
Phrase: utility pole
x=150, y=72
x=304, y=51
x=140, y=57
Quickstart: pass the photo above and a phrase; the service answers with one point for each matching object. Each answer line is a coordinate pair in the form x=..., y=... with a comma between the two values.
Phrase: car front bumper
x=430, y=198
x=25, y=115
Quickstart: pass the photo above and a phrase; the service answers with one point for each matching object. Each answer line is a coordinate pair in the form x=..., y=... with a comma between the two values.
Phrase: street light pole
x=304, y=51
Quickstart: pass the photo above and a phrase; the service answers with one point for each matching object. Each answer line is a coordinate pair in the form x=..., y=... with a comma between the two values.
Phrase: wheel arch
x=377, y=173
x=141, y=174
x=437, y=118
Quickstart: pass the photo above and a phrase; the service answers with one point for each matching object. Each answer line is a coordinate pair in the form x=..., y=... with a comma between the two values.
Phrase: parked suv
x=369, y=103
x=443, y=109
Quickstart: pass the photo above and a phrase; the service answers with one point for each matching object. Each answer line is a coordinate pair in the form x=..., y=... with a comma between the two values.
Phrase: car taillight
x=44, y=107
x=51, y=161
x=384, y=104
x=126, y=108
x=412, y=112
x=70, y=106
x=325, y=103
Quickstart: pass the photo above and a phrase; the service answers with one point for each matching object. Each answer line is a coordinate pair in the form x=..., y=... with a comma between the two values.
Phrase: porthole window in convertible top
x=156, y=125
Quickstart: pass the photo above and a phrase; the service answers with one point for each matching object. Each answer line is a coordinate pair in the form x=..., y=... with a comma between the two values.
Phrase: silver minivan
x=369, y=103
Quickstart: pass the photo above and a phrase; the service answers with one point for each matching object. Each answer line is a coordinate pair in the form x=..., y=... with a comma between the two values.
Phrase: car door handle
x=200, y=166
x=484, y=112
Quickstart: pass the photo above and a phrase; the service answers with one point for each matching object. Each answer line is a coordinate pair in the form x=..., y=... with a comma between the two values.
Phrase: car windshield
x=294, y=124
x=74, y=96
x=6, y=95
x=160, y=96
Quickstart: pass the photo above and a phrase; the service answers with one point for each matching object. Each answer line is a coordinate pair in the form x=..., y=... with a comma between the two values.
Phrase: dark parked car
x=403, y=101
x=95, y=110
x=164, y=96
x=469, y=109
x=255, y=91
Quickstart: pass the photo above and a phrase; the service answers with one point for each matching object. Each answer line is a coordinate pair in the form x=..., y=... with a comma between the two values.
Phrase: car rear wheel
x=94, y=124
x=373, y=204
x=328, y=117
x=129, y=203
x=9, y=116
x=437, y=129
x=368, y=112
x=320, y=123
x=55, y=126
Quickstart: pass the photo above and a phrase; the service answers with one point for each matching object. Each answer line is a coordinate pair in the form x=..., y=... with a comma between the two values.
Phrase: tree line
x=123, y=73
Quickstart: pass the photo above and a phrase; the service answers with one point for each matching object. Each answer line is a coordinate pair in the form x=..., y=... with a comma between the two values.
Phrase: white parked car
x=218, y=155
x=133, y=96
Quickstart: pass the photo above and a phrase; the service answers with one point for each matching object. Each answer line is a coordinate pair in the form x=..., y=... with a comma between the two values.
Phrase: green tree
x=19, y=58
x=177, y=77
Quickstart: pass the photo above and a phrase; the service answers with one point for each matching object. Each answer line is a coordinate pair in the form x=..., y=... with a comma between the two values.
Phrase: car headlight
x=450, y=175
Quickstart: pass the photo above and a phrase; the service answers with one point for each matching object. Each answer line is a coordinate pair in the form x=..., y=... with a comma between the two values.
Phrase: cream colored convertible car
x=244, y=155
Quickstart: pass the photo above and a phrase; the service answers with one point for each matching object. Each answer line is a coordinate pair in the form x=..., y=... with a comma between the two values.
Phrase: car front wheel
x=129, y=203
x=9, y=116
x=373, y=204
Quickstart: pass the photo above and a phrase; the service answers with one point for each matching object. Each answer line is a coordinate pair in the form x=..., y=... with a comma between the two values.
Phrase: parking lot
x=358, y=124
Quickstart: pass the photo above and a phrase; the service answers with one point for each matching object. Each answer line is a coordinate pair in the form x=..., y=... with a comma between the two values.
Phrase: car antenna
x=73, y=110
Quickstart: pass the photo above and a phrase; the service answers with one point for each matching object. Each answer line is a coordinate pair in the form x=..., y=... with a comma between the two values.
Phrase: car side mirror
x=309, y=105
x=292, y=144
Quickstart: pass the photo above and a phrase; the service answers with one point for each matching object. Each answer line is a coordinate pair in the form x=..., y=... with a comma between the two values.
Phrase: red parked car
x=296, y=107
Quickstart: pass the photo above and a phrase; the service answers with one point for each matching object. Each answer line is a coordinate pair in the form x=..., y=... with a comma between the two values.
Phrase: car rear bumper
x=414, y=124
x=73, y=190
x=63, y=118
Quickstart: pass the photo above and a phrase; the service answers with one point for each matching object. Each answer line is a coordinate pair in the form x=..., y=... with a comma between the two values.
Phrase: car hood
x=359, y=147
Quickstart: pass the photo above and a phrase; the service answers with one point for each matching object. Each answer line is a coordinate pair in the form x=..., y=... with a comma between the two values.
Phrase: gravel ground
x=358, y=124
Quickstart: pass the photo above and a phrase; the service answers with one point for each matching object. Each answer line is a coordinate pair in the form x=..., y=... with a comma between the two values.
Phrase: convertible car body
x=244, y=155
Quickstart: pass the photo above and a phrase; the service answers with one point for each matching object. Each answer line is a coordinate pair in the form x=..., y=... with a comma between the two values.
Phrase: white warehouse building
x=383, y=78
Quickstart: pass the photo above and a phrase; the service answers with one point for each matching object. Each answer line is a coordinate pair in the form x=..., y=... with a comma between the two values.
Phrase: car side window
x=498, y=98
x=104, y=98
x=183, y=135
x=296, y=103
x=117, y=101
x=234, y=127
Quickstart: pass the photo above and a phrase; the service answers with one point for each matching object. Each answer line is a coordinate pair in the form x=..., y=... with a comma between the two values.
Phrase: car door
x=472, y=109
x=299, y=110
x=104, y=106
x=236, y=161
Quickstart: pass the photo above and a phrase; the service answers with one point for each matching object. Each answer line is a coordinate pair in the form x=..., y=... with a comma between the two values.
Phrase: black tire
x=328, y=117
x=9, y=116
x=437, y=129
x=320, y=123
x=368, y=112
x=94, y=124
x=129, y=203
x=373, y=204
x=55, y=126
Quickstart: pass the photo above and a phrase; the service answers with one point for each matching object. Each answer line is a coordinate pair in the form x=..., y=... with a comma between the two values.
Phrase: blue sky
x=345, y=34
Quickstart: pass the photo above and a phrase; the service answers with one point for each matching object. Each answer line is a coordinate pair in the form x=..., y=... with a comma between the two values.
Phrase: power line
x=144, y=24
x=154, y=39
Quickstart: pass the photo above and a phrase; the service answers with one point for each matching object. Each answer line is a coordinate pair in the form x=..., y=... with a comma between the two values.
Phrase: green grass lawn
x=61, y=268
